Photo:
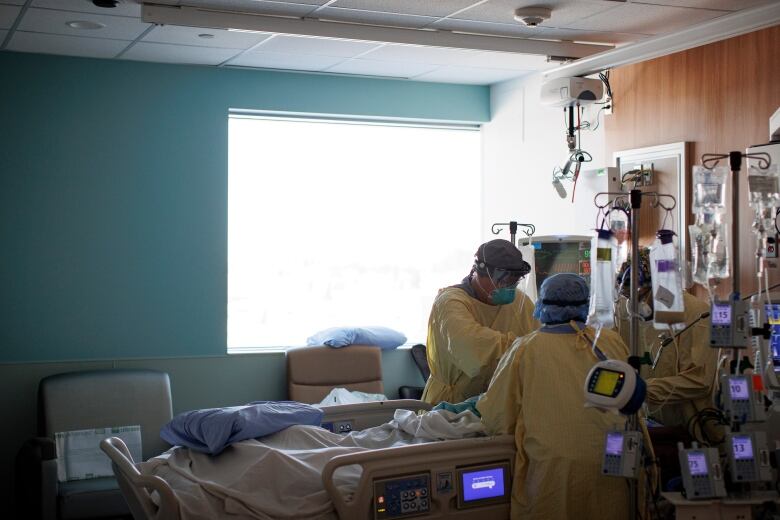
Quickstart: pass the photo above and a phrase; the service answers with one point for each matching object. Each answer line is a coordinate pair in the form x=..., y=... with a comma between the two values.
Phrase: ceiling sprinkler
x=532, y=16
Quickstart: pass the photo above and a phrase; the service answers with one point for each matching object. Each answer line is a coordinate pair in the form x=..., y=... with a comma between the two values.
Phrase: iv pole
x=530, y=229
x=635, y=199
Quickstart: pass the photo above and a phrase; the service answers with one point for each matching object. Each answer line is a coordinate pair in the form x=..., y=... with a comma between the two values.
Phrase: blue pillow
x=213, y=429
x=381, y=337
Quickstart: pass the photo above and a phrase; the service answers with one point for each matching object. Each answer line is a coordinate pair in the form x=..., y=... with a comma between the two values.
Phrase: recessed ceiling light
x=85, y=24
x=206, y=36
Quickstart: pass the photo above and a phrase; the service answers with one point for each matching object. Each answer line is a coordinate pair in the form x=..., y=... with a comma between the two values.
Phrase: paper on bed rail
x=280, y=475
x=79, y=456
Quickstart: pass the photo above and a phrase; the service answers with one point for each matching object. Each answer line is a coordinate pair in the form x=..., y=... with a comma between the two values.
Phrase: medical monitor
x=561, y=254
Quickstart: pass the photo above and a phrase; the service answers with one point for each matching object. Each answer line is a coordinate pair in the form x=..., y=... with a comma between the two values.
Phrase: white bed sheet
x=279, y=476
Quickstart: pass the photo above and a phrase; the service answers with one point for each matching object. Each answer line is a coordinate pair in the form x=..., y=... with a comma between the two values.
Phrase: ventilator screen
x=606, y=382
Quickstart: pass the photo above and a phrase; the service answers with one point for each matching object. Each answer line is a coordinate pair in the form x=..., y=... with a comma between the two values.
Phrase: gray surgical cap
x=563, y=297
x=501, y=254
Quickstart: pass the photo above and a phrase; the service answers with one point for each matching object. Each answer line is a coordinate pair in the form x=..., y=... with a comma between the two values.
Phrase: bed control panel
x=484, y=484
x=338, y=426
x=402, y=497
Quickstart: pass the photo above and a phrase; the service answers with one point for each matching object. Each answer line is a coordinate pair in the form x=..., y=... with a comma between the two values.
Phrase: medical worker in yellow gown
x=683, y=381
x=473, y=324
x=537, y=395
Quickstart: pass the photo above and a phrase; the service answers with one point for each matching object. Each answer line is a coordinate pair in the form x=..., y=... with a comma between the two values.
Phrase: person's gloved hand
x=468, y=404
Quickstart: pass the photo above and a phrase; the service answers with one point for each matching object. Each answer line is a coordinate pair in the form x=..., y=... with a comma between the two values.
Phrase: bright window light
x=336, y=224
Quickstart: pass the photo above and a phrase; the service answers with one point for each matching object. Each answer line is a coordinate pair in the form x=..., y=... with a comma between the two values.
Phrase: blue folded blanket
x=213, y=429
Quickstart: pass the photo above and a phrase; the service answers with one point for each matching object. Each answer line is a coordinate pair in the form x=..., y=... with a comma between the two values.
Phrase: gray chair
x=84, y=400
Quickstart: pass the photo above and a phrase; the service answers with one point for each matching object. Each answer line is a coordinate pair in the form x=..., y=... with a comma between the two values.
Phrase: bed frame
x=437, y=460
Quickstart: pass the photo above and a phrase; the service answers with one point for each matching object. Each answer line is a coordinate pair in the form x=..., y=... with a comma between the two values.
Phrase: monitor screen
x=721, y=314
x=483, y=484
x=773, y=317
x=738, y=387
x=742, y=447
x=561, y=256
x=606, y=382
x=614, y=443
x=697, y=463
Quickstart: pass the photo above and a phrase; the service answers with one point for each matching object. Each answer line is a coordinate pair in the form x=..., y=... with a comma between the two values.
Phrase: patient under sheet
x=279, y=476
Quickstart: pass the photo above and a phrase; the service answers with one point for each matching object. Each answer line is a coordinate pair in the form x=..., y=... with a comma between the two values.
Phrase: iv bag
x=709, y=189
x=764, y=186
x=666, y=280
x=603, y=269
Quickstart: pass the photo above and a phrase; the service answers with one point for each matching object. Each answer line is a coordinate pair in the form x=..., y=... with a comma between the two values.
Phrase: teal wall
x=113, y=195
x=113, y=220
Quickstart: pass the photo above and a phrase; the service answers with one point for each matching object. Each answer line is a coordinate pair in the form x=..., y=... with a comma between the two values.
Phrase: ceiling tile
x=13, y=2
x=436, y=9
x=53, y=22
x=277, y=60
x=319, y=46
x=67, y=45
x=564, y=12
x=374, y=18
x=190, y=36
x=728, y=5
x=8, y=14
x=646, y=19
x=470, y=75
x=396, y=69
x=126, y=8
x=2, y=35
x=166, y=53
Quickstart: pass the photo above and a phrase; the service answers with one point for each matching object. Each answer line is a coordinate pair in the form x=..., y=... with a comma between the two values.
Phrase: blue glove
x=468, y=404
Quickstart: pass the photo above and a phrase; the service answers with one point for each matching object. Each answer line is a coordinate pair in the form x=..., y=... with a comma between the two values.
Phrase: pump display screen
x=614, y=443
x=738, y=387
x=742, y=447
x=721, y=314
x=482, y=484
x=606, y=382
x=773, y=317
x=697, y=463
x=564, y=256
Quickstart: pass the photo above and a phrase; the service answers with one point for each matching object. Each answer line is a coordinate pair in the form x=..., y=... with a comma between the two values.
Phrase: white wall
x=522, y=143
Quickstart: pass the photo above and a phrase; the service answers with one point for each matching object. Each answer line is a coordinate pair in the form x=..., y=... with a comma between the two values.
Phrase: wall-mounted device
x=565, y=92
x=701, y=472
x=561, y=254
x=748, y=457
x=729, y=324
x=741, y=402
x=622, y=454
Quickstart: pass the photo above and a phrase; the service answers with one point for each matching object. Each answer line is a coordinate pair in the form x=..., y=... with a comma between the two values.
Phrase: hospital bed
x=463, y=479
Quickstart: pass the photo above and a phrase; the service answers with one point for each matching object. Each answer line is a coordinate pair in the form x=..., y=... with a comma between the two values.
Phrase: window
x=341, y=223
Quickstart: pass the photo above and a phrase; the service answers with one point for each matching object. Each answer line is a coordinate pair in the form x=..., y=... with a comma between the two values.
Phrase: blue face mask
x=503, y=295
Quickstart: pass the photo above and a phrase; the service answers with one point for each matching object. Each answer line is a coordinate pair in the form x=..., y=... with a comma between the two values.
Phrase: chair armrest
x=35, y=481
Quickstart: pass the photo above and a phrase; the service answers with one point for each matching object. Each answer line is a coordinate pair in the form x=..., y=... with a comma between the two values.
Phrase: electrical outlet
x=608, y=108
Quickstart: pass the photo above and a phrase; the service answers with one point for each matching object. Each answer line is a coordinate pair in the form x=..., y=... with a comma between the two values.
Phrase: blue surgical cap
x=563, y=297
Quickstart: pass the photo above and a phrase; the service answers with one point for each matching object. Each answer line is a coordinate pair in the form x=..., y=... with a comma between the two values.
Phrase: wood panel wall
x=719, y=97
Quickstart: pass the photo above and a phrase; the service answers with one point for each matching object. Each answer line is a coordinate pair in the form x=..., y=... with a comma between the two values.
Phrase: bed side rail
x=137, y=488
x=343, y=418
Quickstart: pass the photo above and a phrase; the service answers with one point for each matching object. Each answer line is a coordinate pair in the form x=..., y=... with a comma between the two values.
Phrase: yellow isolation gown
x=684, y=378
x=466, y=338
x=537, y=395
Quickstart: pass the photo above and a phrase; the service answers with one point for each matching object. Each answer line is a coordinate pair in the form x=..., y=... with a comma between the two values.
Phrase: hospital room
x=388, y=259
